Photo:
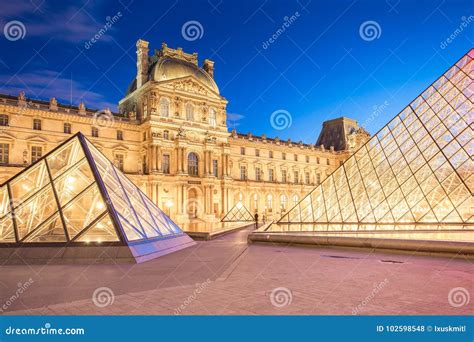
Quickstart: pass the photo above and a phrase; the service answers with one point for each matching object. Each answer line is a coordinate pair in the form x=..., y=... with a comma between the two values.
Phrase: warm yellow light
x=100, y=205
x=169, y=203
x=239, y=205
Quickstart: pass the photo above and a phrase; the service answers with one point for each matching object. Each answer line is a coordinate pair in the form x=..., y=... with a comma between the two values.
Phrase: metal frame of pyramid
x=238, y=213
x=75, y=197
x=418, y=169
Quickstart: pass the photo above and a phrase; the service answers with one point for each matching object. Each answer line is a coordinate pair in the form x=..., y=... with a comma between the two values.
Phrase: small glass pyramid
x=418, y=169
x=238, y=213
x=74, y=195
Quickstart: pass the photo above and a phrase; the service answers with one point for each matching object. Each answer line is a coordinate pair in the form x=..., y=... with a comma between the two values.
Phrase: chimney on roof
x=142, y=62
x=208, y=66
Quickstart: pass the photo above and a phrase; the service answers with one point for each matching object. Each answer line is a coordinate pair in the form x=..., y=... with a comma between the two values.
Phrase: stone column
x=211, y=199
x=159, y=159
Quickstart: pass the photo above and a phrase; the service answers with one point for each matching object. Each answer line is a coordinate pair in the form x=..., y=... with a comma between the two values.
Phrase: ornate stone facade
x=170, y=137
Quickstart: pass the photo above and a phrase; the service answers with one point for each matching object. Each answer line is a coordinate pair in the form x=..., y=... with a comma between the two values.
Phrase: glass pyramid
x=238, y=213
x=75, y=195
x=418, y=169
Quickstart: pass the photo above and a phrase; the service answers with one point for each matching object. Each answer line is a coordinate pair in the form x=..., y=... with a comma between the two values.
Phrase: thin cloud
x=72, y=24
x=46, y=84
x=234, y=119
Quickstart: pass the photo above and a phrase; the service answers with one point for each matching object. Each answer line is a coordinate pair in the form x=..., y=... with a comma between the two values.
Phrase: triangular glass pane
x=51, y=230
x=101, y=231
x=238, y=213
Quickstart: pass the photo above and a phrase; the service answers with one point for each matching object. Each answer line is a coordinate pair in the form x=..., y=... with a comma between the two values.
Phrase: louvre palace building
x=171, y=139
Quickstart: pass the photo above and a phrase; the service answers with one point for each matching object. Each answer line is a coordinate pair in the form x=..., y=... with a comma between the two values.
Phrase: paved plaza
x=229, y=276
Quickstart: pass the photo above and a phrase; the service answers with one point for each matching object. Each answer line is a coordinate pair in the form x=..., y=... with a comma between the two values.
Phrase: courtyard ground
x=229, y=276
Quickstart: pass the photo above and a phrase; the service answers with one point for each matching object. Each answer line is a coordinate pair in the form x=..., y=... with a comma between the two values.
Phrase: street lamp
x=168, y=204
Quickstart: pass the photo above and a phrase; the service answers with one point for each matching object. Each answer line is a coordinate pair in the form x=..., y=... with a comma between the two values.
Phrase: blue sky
x=321, y=66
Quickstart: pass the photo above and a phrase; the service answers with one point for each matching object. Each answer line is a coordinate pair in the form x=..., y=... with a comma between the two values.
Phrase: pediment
x=37, y=139
x=190, y=84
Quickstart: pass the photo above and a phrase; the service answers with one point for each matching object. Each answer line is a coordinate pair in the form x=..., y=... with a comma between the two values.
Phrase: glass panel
x=65, y=157
x=29, y=182
x=50, y=231
x=101, y=231
x=73, y=181
x=83, y=210
x=30, y=214
x=7, y=233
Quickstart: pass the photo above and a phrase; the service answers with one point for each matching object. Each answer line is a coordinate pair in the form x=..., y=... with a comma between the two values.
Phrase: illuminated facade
x=170, y=138
x=418, y=169
x=74, y=196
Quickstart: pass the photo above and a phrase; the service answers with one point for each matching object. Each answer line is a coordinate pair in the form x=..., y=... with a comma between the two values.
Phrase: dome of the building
x=168, y=68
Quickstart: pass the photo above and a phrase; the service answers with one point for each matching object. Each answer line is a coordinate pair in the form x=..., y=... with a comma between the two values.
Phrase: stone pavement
x=228, y=276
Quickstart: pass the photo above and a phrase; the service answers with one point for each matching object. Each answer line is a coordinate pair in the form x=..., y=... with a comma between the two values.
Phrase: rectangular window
x=307, y=159
x=3, y=120
x=37, y=124
x=257, y=152
x=243, y=173
x=95, y=132
x=283, y=156
x=166, y=163
x=242, y=150
x=296, y=157
x=270, y=175
x=306, y=177
x=4, y=153
x=270, y=154
x=318, y=179
x=258, y=174
x=67, y=128
x=317, y=160
x=36, y=153
x=214, y=168
x=283, y=176
x=119, y=161
x=297, y=177
x=328, y=162
x=340, y=162
x=119, y=135
x=144, y=136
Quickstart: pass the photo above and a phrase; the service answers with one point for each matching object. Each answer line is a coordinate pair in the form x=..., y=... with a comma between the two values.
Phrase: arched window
x=193, y=161
x=189, y=112
x=284, y=202
x=269, y=202
x=255, y=202
x=295, y=199
x=212, y=117
x=164, y=107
